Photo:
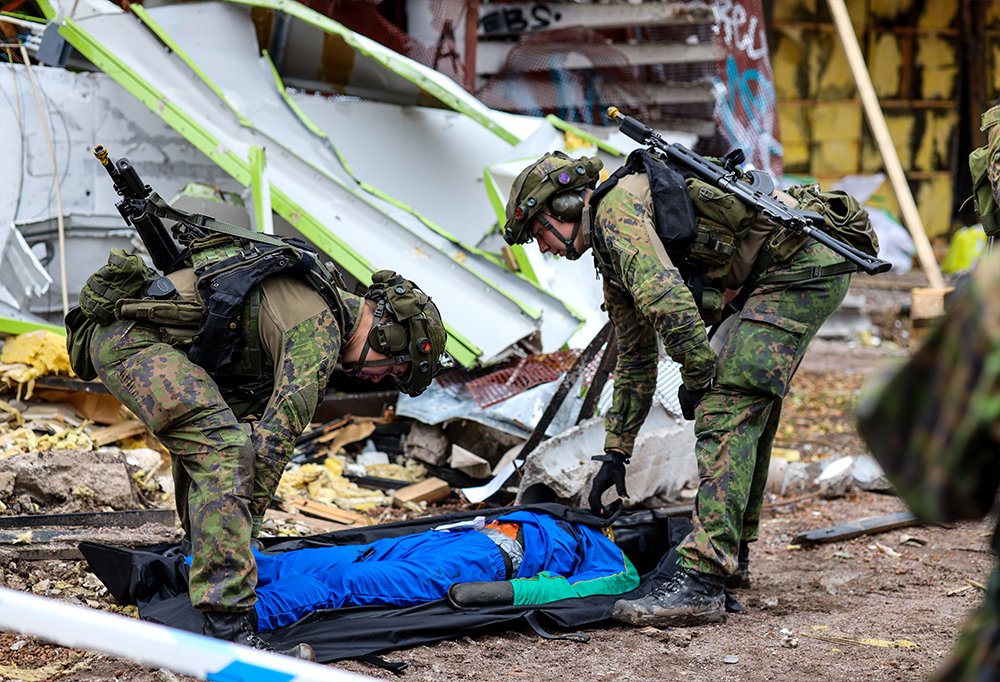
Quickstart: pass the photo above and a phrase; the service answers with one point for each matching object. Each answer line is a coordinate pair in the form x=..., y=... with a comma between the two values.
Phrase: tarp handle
x=532, y=619
x=396, y=668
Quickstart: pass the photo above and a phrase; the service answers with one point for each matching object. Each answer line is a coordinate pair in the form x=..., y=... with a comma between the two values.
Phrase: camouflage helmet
x=408, y=328
x=553, y=174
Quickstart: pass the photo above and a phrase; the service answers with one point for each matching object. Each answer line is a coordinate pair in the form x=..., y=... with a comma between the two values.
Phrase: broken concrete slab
x=663, y=461
x=89, y=480
x=427, y=443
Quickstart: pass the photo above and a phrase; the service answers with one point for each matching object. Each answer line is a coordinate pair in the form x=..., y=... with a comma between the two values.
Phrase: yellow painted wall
x=823, y=125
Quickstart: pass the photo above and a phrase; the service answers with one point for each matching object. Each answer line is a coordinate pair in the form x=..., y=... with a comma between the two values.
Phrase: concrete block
x=662, y=463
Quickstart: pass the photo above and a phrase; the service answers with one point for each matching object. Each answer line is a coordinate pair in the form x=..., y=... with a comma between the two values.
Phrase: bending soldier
x=735, y=398
x=231, y=426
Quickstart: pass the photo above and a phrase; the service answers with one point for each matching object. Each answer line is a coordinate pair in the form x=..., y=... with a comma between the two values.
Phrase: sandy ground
x=808, y=608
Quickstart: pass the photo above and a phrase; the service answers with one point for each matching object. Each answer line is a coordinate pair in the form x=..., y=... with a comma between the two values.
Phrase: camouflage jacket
x=300, y=344
x=934, y=423
x=644, y=296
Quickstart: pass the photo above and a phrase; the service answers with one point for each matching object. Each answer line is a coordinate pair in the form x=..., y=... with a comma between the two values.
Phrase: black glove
x=690, y=399
x=612, y=473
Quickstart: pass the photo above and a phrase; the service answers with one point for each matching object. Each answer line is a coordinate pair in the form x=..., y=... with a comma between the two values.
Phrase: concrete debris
x=427, y=443
x=663, y=462
x=836, y=477
x=868, y=475
x=74, y=480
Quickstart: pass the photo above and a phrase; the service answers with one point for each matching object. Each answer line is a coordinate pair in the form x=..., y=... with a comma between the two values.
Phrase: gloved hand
x=612, y=473
x=689, y=400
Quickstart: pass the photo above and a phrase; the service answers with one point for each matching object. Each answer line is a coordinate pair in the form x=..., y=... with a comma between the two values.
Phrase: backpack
x=219, y=330
x=702, y=229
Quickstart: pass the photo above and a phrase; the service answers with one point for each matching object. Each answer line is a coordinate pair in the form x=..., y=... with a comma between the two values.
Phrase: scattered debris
x=324, y=511
x=846, y=531
x=885, y=550
x=788, y=639
x=31, y=355
x=846, y=639
x=911, y=540
x=657, y=634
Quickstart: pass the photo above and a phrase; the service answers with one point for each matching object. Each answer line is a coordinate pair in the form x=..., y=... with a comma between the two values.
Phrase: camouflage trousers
x=213, y=463
x=736, y=422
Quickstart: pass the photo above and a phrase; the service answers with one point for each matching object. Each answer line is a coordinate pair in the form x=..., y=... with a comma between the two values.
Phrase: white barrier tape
x=157, y=646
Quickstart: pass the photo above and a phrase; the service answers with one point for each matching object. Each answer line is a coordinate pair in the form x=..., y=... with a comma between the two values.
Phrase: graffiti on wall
x=519, y=19
x=746, y=110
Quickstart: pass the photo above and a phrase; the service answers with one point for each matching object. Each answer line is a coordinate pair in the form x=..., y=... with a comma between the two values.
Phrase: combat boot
x=241, y=628
x=741, y=578
x=687, y=598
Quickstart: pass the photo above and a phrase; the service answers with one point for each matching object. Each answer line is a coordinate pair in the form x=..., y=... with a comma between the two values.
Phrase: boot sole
x=670, y=620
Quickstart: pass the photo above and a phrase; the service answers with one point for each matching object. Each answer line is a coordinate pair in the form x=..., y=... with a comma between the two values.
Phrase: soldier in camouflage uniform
x=230, y=436
x=735, y=398
x=934, y=426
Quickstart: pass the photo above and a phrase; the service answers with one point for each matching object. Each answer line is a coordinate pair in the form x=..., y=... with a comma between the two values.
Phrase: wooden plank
x=119, y=519
x=927, y=303
x=117, y=432
x=880, y=131
x=846, y=531
x=428, y=490
x=324, y=511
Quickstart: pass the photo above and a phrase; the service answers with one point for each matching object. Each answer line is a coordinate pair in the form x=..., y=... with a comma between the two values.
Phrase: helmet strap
x=356, y=367
x=568, y=242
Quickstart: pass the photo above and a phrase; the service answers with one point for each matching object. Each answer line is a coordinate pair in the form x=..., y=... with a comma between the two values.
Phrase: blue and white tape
x=157, y=646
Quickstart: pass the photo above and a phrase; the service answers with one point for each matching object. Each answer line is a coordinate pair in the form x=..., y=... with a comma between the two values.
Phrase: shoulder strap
x=158, y=207
x=632, y=164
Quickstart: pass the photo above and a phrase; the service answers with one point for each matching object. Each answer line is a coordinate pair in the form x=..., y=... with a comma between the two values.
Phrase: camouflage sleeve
x=650, y=299
x=991, y=124
x=635, y=374
x=662, y=300
x=934, y=423
x=302, y=370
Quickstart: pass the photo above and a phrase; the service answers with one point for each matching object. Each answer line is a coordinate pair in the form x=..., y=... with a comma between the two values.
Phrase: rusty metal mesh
x=534, y=79
x=496, y=384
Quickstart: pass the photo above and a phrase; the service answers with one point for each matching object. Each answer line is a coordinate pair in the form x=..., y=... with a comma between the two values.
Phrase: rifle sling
x=158, y=207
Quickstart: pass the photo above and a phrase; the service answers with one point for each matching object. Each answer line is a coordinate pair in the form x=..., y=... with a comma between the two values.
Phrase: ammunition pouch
x=79, y=331
x=125, y=276
x=723, y=221
x=177, y=321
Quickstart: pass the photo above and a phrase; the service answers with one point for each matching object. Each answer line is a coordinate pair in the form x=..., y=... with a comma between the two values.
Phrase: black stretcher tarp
x=155, y=580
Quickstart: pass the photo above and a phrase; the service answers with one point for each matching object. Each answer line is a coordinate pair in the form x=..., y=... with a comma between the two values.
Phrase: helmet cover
x=553, y=174
x=412, y=332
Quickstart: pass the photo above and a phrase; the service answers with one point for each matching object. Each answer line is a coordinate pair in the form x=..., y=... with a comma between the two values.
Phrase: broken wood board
x=428, y=490
x=846, y=531
x=116, y=519
x=324, y=511
x=316, y=525
x=100, y=408
x=117, y=432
